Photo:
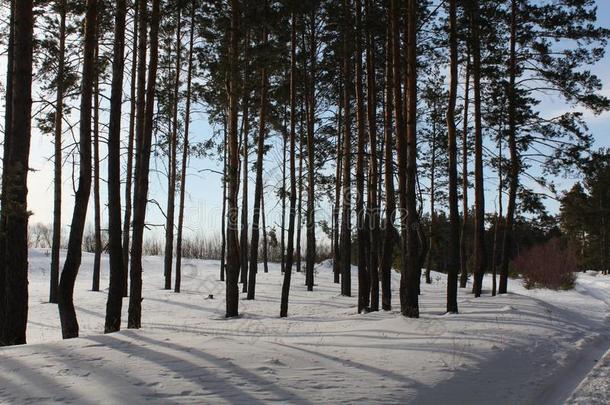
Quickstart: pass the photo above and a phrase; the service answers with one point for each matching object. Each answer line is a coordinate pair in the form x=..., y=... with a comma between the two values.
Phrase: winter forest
x=314, y=201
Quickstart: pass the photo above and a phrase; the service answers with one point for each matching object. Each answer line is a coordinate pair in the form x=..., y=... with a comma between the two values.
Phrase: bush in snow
x=551, y=265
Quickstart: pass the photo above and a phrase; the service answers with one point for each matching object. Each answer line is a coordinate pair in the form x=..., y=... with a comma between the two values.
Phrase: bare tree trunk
x=258, y=191
x=336, y=207
x=346, y=233
x=363, y=274
x=116, y=288
x=432, y=230
x=185, y=150
x=311, y=115
x=515, y=164
x=390, y=200
x=97, y=215
x=223, y=229
x=265, y=243
x=454, y=215
x=67, y=314
x=373, y=206
x=465, y=219
x=130, y=145
x=243, y=239
x=4, y=337
x=232, y=288
x=479, y=233
x=172, y=166
x=142, y=169
x=15, y=211
x=300, y=197
x=411, y=225
x=293, y=201
x=494, y=264
x=59, y=117
x=283, y=198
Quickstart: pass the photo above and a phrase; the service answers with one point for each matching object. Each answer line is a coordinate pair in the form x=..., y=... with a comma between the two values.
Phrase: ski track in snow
x=523, y=347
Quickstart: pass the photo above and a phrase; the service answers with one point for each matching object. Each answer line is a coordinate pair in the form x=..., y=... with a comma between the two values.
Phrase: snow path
x=524, y=347
x=595, y=389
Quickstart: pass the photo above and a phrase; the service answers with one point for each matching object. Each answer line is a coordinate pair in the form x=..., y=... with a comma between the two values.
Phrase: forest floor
x=529, y=346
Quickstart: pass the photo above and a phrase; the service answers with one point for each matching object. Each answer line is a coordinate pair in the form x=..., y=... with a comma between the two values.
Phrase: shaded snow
x=526, y=346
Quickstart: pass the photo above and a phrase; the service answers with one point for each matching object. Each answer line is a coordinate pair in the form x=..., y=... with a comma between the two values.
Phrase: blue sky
x=204, y=202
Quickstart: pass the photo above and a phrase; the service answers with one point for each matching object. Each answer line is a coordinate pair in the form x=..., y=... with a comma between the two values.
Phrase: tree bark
x=223, y=230
x=185, y=149
x=258, y=189
x=6, y=154
x=172, y=166
x=15, y=213
x=67, y=314
x=479, y=234
x=346, y=233
x=390, y=199
x=116, y=288
x=130, y=145
x=311, y=115
x=265, y=243
x=336, y=207
x=142, y=169
x=515, y=164
x=293, y=201
x=97, y=215
x=465, y=219
x=373, y=206
x=232, y=288
x=57, y=181
x=411, y=227
x=454, y=215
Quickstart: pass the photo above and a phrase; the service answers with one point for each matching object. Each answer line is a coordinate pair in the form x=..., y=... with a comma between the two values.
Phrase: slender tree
x=465, y=149
x=185, y=148
x=233, y=258
x=134, y=319
x=58, y=132
x=454, y=216
x=97, y=209
x=116, y=287
x=293, y=200
x=479, y=235
x=67, y=314
x=258, y=188
x=172, y=155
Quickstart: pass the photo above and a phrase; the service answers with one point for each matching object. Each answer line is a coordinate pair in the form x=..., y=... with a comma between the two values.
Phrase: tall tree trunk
x=479, y=233
x=454, y=215
x=283, y=198
x=373, y=206
x=345, y=242
x=59, y=117
x=293, y=180
x=411, y=226
x=223, y=230
x=243, y=238
x=363, y=273
x=97, y=214
x=465, y=208
x=390, y=199
x=265, y=239
x=6, y=154
x=311, y=116
x=258, y=189
x=185, y=150
x=67, y=314
x=232, y=288
x=116, y=288
x=494, y=264
x=515, y=164
x=15, y=213
x=300, y=197
x=130, y=149
x=432, y=229
x=336, y=207
x=172, y=166
x=130, y=142
x=134, y=319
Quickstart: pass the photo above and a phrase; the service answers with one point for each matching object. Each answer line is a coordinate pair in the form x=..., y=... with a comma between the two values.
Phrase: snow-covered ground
x=524, y=347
